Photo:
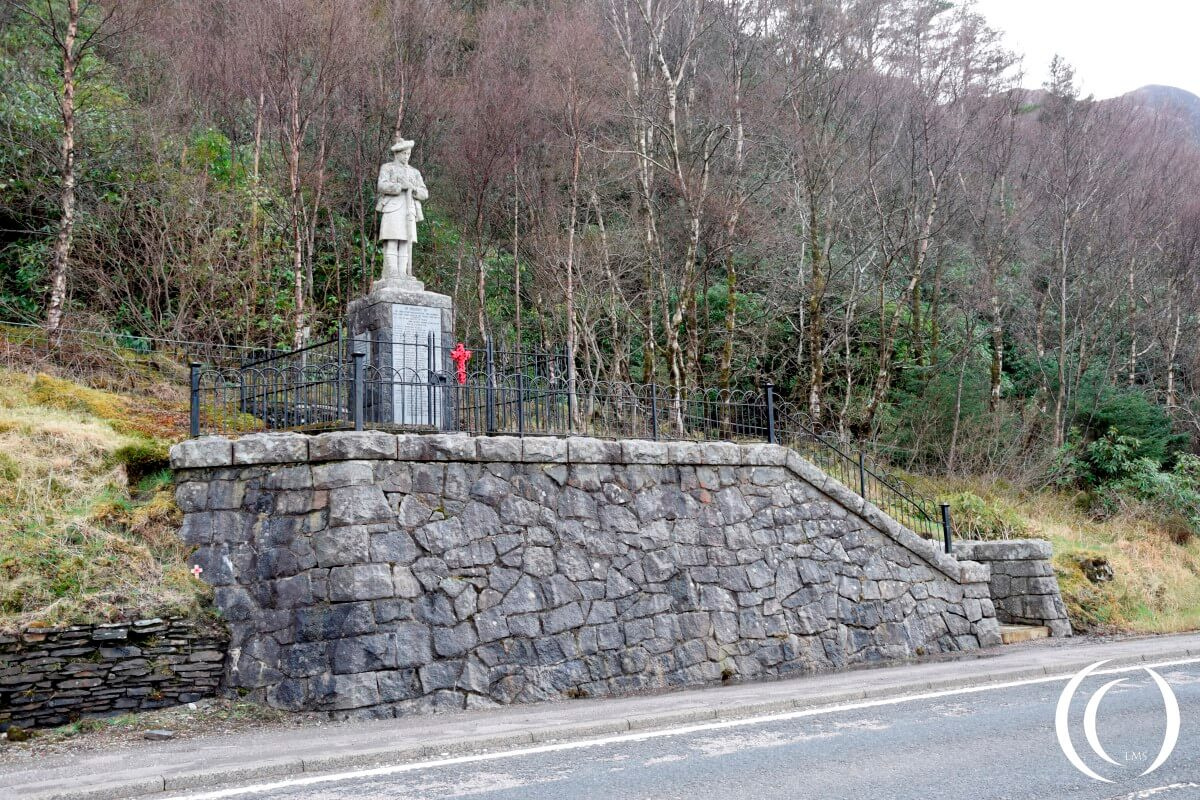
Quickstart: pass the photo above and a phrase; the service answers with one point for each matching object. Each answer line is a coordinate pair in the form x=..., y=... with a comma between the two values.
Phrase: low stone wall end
x=1023, y=585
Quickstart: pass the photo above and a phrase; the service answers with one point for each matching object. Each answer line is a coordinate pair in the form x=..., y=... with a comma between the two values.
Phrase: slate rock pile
x=51, y=676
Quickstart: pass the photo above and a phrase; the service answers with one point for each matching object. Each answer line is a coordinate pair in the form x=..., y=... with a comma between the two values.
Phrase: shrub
x=1146, y=426
x=1117, y=480
x=976, y=518
x=1111, y=458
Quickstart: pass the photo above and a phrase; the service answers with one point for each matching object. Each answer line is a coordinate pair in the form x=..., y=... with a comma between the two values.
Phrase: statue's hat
x=402, y=144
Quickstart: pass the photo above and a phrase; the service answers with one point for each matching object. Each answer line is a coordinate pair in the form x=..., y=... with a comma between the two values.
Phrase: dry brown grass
x=1156, y=583
x=77, y=543
x=1156, y=578
x=159, y=414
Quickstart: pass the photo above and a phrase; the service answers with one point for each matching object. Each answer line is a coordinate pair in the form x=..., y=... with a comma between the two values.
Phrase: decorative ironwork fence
x=338, y=384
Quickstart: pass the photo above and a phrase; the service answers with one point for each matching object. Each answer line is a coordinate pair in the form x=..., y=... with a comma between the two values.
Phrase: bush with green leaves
x=977, y=518
x=1119, y=477
x=1146, y=426
x=1112, y=458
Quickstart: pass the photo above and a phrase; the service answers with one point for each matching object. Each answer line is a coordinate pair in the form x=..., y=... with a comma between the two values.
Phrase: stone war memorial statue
x=401, y=192
x=401, y=325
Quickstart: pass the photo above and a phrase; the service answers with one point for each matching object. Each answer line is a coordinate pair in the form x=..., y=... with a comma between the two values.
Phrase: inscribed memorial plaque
x=416, y=353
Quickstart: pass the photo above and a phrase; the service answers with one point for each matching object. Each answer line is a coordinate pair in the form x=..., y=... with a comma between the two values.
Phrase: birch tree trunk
x=296, y=135
x=576, y=157
x=1060, y=395
x=66, y=220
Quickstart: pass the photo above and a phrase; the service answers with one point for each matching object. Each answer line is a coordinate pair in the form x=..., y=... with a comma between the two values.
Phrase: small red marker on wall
x=196, y=570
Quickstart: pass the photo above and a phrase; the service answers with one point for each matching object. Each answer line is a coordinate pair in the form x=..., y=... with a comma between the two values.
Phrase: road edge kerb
x=158, y=785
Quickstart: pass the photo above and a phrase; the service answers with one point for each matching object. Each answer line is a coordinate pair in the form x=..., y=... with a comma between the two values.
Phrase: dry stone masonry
x=1023, y=586
x=377, y=574
x=51, y=676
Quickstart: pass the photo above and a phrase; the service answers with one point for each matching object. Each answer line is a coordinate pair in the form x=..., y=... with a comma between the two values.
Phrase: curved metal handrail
x=893, y=493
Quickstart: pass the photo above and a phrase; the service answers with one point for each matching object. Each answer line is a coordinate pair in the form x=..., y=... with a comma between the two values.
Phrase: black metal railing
x=872, y=480
x=341, y=384
x=297, y=389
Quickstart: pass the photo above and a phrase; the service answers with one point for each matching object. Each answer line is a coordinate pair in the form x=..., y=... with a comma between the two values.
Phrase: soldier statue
x=401, y=190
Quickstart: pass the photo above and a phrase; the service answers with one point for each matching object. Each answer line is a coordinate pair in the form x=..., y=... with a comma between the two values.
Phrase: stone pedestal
x=406, y=330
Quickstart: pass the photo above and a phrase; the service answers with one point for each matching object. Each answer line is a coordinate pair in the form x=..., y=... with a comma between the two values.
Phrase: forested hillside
x=853, y=199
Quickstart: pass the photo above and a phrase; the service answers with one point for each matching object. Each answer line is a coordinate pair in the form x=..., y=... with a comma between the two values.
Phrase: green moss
x=1090, y=606
x=68, y=396
x=143, y=459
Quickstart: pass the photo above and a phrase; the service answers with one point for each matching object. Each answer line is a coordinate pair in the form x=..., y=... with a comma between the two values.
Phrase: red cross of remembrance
x=460, y=356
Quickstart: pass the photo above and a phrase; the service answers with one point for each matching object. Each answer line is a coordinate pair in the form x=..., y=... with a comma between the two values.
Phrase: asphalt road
x=981, y=744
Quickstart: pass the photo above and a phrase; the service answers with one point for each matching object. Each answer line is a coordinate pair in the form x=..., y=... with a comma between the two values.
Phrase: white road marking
x=729, y=743
x=1157, y=791
x=415, y=766
x=670, y=758
x=1089, y=722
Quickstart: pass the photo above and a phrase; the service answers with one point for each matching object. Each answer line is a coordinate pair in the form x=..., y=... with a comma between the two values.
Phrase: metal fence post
x=360, y=357
x=520, y=401
x=430, y=365
x=242, y=386
x=770, y=391
x=862, y=475
x=194, y=409
x=654, y=411
x=340, y=374
x=947, y=528
x=572, y=410
x=491, y=388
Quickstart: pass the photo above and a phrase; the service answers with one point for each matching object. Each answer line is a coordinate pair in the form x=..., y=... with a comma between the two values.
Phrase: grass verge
x=1155, y=579
x=88, y=523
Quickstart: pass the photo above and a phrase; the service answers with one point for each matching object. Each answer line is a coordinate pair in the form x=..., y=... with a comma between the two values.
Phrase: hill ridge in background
x=1171, y=100
x=1154, y=98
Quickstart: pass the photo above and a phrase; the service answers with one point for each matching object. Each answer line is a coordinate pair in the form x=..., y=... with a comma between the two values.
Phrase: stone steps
x=1011, y=634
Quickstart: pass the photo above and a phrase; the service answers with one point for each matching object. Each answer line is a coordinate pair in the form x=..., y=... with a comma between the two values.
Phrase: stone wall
x=377, y=574
x=1024, y=588
x=51, y=676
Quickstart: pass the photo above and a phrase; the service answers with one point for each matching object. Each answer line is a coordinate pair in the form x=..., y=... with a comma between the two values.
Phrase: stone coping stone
x=207, y=451
x=409, y=293
x=271, y=448
x=586, y=450
x=352, y=445
x=543, y=450
x=1005, y=550
x=287, y=447
x=436, y=447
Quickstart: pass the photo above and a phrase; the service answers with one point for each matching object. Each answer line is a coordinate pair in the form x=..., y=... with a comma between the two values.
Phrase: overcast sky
x=1114, y=45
